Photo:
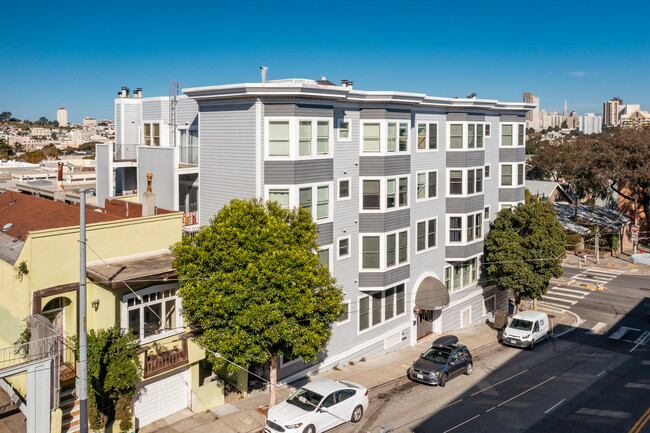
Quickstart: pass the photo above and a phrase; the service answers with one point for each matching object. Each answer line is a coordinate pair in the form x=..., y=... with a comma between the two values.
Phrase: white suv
x=317, y=407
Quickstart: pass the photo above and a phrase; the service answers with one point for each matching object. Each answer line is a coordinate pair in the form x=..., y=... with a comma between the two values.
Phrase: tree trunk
x=273, y=376
x=535, y=304
x=517, y=303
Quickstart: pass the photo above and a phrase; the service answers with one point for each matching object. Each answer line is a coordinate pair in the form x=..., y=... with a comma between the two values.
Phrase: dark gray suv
x=443, y=361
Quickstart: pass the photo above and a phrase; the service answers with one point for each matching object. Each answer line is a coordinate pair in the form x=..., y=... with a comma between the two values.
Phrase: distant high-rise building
x=635, y=119
x=564, y=114
x=89, y=121
x=62, y=116
x=532, y=117
x=551, y=120
x=627, y=109
x=573, y=120
x=611, y=111
x=591, y=123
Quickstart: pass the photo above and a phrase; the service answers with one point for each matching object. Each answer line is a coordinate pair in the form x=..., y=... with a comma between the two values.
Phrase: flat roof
x=116, y=271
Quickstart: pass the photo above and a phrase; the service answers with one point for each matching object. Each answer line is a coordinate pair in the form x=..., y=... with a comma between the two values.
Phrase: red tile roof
x=28, y=213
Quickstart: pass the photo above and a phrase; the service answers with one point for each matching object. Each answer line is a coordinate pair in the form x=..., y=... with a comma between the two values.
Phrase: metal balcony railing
x=189, y=155
x=190, y=214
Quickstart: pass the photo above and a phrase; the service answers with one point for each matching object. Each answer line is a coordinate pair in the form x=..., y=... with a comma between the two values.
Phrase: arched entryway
x=431, y=297
x=54, y=311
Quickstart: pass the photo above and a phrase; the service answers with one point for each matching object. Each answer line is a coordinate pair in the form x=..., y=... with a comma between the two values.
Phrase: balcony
x=159, y=361
x=188, y=156
x=125, y=152
x=190, y=214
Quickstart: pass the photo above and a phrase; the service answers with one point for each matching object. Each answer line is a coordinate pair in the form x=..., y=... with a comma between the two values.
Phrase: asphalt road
x=583, y=381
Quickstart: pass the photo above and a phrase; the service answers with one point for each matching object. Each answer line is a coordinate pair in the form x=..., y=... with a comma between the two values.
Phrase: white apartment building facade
x=590, y=123
x=403, y=187
x=62, y=116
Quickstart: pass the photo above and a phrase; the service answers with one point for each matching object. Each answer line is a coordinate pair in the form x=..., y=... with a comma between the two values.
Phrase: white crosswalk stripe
x=578, y=287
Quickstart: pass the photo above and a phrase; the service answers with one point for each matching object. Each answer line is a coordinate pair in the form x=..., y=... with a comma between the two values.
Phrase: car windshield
x=305, y=399
x=437, y=355
x=522, y=325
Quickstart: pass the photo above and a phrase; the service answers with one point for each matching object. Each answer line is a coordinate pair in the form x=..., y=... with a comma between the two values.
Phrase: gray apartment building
x=402, y=185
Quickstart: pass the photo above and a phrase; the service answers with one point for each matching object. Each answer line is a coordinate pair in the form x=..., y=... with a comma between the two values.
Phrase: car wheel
x=469, y=368
x=532, y=344
x=546, y=336
x=357, y=413
x=309, y=429
x=443, y=380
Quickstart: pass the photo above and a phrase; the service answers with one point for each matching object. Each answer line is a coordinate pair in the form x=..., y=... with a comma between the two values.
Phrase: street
x=595, y=378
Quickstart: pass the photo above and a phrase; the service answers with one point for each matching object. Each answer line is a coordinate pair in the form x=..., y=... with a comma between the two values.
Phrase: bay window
x=506, y=135
x=371, y=137
x=279, y=138
x=153, y=313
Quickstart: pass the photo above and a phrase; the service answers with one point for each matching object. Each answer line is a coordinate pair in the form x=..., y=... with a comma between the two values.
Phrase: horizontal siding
x=187, y=111
x=465, y=205
x=299, y=110
x=456, y=117
x=476, y=117
x=451, y=316
x=155, y=110
x=516, y=154
x=384, y=165
x=461, y=252
x=384, y=222
x=132, y=122
x=474, y=158
x=384, y=279
x=159, y=161
x=512, y=194
x=383, y=113
x=325, y=234
x=104, y=172
x=298, y=172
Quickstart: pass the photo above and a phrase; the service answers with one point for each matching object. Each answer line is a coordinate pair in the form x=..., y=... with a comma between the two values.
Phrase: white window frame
x=514, y=135
x=523, y=174
x=124, y=320
x=151, y=136
x=492, y=296
x=338, y=129
x=426, y=194
x=464, y=182
x=463, y=230
x=427, y=247
x=427, y=123
x=294, y=138
x=383, y=137
x=523, y=136
x=288, y=363
x=330, y=259
x=294, y=198
x=488, y=167
x=383, y=250
x=338, y=188
x=383, y=193
x=513, y=167
x=489, y=212
x=464, y=124
x=511, y=204
x=452, y=263
x=349, y=254
x=484, y=132
x=368, y=293
x=349, y=319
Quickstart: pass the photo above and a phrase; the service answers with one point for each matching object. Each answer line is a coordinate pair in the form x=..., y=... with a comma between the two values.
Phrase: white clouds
x=580, y=74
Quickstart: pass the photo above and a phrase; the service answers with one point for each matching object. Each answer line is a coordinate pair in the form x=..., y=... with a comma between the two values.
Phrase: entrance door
x=425, y=323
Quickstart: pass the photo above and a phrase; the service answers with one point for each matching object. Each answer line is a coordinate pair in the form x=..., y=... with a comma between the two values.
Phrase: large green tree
x=252, y=281
x=524, y=250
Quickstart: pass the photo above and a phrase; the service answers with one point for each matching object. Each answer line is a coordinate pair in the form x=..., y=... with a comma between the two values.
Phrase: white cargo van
x=526, y=328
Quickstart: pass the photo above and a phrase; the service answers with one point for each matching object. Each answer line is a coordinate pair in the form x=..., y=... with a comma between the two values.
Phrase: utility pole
x=597, y=242
x=636, y=219
x=83, y=331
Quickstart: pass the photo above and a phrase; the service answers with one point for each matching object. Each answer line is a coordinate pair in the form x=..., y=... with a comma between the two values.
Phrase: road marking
x=582, y=292
x=499, y=383
x=637, y=385
x=556, y=405
x=598, y=329
x=548, y=307
x=554, y=292
x=610, y=271
x=526, y=391
x=561, y=307
x=602, y=412
x=620, y=332
x=602, y=372
x=642, y=340
x=463, y=423
x=568, y=301
x=641, y=422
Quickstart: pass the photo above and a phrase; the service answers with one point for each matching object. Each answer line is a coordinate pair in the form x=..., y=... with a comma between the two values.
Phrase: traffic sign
x=635, y=229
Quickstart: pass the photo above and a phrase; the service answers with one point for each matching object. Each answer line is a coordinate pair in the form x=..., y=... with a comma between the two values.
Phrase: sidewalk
x=621, y=261
x=242, y=417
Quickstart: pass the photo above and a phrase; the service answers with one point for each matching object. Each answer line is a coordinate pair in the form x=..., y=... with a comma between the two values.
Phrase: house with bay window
x=403, y=187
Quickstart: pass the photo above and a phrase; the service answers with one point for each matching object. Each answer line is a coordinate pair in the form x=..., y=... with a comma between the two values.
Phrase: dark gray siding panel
x=456, y=117
x=326, y=234
x=280, y=109
x=297, y=172
x=517, y=154
x=384, y=165
x=475, y=158
x=476, y=117
x=465, y=205
x=512, y=194
x=463, y=252
x=384, y=279
x=508, y=118
x=301, y=110
x=520, y=195
x=474, y=203
x=382, y=113
x=384, y=222
x=455, y=205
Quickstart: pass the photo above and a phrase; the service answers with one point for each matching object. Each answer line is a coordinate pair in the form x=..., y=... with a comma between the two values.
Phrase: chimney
x=264, y=69
x=347, y=83
x=148, y=199
x=138, y=93
x=124, y=93
x=59, y=193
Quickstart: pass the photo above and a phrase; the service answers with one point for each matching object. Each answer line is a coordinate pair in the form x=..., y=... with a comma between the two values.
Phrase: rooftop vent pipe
x=347, y=83
x=263, y=69
x=124, y=93
x=138, y=93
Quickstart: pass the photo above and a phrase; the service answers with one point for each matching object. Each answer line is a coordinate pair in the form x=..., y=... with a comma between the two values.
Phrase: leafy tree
x=556, y=129
x=524, y=250
x=5, y=116
x=252, y=281
x=5, y=149
x=33, y=157
x=113, y=372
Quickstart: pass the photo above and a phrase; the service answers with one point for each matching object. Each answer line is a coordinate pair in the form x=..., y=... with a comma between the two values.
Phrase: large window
x=461, y=274
x=324, y=257
x=506, y=135
x=281, y=196
x=344, y=189
x=506, y=175
x=427, y=136
x=455, y=229
x=520, y=174
x=456, y=136
x=189, y=148
x=395, y=250
x=344, y=131
x=370, y=252
x=152, y=134
x=304, y=138
x=154, y=313
x=397, y=137
x=304, y=198
x=426, y=234
x=427, y=186
x=371, y=137
x=475, y=136
x=279, y=138
x=475, y=181
x=371, y=194
x=322, y=210
x=456, y=182
x=381, y=307
x=520, y=135
x=322, y=138
x=306, y=130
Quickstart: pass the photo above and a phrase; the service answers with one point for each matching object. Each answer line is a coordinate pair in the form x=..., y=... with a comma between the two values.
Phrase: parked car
x=443, y=361
x=318, y=406
x=526, y=329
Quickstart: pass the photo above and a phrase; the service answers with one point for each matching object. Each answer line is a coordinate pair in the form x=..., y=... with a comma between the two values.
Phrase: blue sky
x=79, y=54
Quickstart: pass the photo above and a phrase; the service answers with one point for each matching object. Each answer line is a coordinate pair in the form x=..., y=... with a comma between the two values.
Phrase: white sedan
x=317, y=407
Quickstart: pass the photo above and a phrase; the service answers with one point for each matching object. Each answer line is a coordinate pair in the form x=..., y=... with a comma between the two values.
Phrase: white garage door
x=162, y=397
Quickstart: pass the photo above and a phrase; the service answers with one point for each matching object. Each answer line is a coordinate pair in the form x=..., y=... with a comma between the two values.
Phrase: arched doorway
x=431, y=297
x=54, y=311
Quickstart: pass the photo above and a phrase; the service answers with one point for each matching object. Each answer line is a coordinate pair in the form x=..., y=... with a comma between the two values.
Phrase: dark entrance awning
x=431, y=295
